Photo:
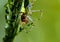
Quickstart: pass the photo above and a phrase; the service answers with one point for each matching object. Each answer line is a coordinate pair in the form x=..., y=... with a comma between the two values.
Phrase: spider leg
x=30, y=18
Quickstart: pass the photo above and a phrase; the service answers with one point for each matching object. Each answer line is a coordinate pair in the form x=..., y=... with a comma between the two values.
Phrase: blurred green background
x=47, y=29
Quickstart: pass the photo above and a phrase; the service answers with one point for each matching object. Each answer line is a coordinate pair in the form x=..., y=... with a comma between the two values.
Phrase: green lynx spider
x=14, y=9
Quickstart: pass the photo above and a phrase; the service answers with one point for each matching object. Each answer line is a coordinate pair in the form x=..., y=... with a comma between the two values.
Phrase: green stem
x=12, y=15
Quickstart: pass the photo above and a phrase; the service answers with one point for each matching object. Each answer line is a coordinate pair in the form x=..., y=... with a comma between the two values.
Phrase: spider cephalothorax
x=24, y=18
